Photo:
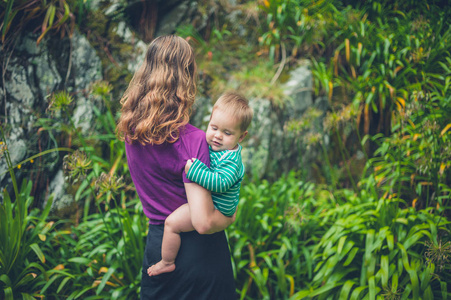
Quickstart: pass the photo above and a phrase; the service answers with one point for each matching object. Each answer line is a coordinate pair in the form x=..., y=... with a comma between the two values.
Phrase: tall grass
x=294, y=240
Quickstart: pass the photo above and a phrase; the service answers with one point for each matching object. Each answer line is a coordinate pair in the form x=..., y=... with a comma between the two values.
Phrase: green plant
x=101, y=257
x=414, y=162
x=271, y=241
x=381, y=59
x=364, y=254
x=21, y=258
x=377, y=64
x=21, y=233
x=109, y=239
x=295, y=25
x=54, y=15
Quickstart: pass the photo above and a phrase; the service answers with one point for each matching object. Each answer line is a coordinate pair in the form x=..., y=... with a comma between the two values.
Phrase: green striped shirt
x=223, y=178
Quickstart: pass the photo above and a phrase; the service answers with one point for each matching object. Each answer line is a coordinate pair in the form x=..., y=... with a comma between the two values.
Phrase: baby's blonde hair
x=237, y=106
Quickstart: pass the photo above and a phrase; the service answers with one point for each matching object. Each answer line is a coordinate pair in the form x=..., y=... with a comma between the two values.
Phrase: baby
x=229, y=120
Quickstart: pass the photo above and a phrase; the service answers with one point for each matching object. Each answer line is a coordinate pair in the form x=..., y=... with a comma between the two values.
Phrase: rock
x=175, y=16
x=271, y=148
x=32, y=74
x=257, y=144
x=63, y=205
x=139, y=47
x=299, y=90
x=86, y=65
x=201, y=112
x=17, y=151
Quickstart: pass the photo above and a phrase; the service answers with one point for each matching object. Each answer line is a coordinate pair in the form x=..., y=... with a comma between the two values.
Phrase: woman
x=159, y=140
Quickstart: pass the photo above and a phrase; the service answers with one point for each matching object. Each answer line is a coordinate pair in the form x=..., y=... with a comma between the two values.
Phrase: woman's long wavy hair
x=160, y=96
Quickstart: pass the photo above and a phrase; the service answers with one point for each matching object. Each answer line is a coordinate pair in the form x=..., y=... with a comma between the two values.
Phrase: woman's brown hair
x=160, y=95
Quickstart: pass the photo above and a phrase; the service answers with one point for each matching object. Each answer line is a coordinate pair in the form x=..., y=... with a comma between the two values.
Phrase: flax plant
x=52, y=15
x=360, y=256
x=21, y=234
x=272, y=238
x=116, y=233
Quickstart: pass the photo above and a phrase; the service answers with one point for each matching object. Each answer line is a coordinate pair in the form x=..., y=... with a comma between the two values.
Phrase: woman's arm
x=220, y=180
x=205, y=218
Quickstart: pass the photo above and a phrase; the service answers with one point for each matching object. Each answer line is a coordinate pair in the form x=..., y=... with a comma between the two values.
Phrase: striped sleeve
x=219, y=180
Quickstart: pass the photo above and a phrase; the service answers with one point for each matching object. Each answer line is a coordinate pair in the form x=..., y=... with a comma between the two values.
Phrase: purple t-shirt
x=158, y=171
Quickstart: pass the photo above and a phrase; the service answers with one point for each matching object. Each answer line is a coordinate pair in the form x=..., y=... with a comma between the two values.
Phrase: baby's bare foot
x=160, y=268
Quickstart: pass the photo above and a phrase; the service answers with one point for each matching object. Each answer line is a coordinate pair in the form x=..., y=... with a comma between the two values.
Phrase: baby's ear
x=242, y=136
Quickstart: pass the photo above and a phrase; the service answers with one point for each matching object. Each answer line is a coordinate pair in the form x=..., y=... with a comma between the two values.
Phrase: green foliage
x=273, y=236
x=364, y=254
x=377, y=59
x=117, y=231
x=100, y=258
x=21, y=257
x=295, y=25
x=21, y=234
x=105, y=256
x=293, y=240
x=379, y=64
x=51, y=15
x=414, y=162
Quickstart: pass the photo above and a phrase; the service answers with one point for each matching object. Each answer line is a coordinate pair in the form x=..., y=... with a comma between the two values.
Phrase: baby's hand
x=189, y=162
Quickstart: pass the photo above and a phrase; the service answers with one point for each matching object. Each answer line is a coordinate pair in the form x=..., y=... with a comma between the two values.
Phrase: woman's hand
x=204, y=217
x=189, y=162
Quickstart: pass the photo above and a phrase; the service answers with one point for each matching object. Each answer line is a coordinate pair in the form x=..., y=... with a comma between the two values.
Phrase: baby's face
x=223, y=132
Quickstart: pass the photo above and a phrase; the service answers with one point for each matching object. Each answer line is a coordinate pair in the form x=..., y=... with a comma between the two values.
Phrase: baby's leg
x=178, y=221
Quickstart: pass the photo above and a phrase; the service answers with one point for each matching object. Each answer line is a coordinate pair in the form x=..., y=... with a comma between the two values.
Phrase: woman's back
x=203, y=264
x=158, y=171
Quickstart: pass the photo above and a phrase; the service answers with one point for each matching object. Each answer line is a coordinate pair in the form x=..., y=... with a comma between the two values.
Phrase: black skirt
x=203, y=268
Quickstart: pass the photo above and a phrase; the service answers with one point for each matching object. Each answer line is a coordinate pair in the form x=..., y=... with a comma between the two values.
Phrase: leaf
x=426, y=276
x=428, y=295
x=38, y=252
x=347, y=48
x=372, y=288
x=52, y=9
x=291, y=280
x=401, y=101
x=26, y=296
x=346, y=289
x=341, y=243
x=390, y=241
x=356, y=292
x=394, y=282
x=80, y=260
x=80, y=293
x=412, y=273
x=46, y=286
x=384, y=270
x=105, y=279
x=299, y=295
x=326, y=288
x=8, y=293
x=62, y=284
x=7, y=19
x=351, y=256
x=309, y=261
x=444, y=287
x=413, y=239
x=65, y=16
x=445, y=129
x=5, y=279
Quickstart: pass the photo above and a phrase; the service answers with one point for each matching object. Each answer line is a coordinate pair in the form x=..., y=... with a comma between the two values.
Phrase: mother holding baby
x=159, y=140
